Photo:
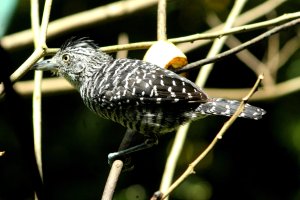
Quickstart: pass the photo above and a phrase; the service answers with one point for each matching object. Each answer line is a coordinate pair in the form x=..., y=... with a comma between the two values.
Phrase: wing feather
x=150, y=84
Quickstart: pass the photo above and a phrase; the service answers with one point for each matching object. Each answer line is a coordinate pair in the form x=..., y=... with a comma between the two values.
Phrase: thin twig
x=112, y=180
x=245, y=56
x=288, y=49
x=277, y=91
x=245, y=18
x=39, y=41
x=272, y=55
x=162, y=20
x=36, y=96
x=44, y=25
x=219, y=43
x=38, y=52
x=235, y=50
x=235, y=30
x=25, y=67
x=122, y=39
x=190, y=169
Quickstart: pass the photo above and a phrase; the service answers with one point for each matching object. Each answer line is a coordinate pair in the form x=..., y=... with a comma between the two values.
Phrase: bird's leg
x=126, y=141
x=148, y=143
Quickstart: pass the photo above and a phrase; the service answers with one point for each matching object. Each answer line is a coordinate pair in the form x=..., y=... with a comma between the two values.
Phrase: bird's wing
x=150, y=84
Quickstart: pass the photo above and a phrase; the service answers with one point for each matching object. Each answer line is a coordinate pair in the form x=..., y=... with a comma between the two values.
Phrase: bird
x=139, y=95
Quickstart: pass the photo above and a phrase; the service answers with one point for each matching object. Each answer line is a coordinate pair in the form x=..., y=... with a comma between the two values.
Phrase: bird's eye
x=66, y=58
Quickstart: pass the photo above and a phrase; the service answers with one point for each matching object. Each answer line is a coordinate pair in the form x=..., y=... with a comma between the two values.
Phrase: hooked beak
x=45, y=65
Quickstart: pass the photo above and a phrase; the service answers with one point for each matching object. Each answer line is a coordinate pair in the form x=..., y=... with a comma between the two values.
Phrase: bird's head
x=76, y=60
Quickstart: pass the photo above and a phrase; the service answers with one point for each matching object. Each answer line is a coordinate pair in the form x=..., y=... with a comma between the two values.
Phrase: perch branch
x=112, y=180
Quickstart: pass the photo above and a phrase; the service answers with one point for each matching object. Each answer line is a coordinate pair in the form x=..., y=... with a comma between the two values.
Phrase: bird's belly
x=145, y=119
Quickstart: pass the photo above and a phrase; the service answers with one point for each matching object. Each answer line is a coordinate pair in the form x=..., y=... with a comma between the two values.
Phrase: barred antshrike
x=136, y=94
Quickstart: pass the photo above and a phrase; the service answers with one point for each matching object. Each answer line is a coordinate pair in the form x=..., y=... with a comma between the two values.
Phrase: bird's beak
x=45, y=65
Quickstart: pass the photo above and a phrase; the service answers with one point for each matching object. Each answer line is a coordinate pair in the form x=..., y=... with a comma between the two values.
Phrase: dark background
x=255, y=159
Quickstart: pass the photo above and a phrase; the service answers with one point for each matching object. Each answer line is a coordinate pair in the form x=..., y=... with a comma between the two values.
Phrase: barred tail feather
x=218, y=106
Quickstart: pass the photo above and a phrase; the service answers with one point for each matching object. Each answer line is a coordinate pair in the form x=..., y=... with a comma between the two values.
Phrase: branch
x=218, y=44
x=277, y=91
x=39, y=41
x=245, y=56
x=289, y=48
x=161, y=20
x=122, y=39
x=245, y=18
x=25, y=67
x=237, y=49
x=112, y=180
x=44, y=25
x=36, y=96
x=190, y=169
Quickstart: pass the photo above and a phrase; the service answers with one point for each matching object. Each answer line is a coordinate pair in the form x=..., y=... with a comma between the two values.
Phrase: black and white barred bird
x=136, y=94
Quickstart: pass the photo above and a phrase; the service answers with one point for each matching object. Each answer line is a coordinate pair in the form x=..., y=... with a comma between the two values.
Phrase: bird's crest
x=75, y=43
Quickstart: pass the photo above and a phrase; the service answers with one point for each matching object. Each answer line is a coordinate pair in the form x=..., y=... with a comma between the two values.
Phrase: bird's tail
x=219, y=106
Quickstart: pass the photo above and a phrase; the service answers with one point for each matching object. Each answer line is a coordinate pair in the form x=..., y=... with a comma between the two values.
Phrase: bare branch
x=39, y=41
x=190, y=169
x=277, y=91
x=244, y=18
x=162, y=20
x=44, y=25
x=289, y=48
x=122, y=39
x=245, y=56
x=112, y=180
x=24, y=68
x=36, y=96
x=245, y=45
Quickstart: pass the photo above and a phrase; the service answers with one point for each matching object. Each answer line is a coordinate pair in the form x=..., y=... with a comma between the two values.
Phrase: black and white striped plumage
x=139, y=95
